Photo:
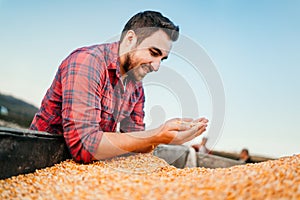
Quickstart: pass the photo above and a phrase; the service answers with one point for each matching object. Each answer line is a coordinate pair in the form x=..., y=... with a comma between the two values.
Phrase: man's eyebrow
x=158, y=51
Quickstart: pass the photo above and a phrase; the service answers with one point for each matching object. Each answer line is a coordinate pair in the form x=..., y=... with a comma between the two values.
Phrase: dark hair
x=144, y=24
x=246, y=151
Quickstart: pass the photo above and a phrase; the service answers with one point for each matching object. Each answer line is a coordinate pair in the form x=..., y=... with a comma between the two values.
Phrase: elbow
x=81, y=156
x=81, y=152
x=83, y=147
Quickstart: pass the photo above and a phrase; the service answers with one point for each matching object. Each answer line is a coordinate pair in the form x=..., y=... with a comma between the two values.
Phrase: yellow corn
x=144, y=176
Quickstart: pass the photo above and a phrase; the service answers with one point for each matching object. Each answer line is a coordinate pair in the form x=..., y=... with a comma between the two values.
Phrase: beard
x=134, y=70
x=127, y=62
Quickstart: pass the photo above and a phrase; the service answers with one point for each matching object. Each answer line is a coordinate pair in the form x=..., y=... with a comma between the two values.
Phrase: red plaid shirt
x=87, y=98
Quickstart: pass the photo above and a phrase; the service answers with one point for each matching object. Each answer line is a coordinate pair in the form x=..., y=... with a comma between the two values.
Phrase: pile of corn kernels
x=145, y=176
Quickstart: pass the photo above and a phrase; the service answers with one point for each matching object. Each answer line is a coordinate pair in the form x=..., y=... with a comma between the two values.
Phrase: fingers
x=193, y=132
x=179, y=124
x=187, y=135
x=182, y=124
x=201, y=130
x=185, y=129
x=186, y=119
x=182, y=119
x=202, y=119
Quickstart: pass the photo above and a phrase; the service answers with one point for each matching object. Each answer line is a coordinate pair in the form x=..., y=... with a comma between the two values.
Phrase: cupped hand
x=202, y=119
x=181, y=130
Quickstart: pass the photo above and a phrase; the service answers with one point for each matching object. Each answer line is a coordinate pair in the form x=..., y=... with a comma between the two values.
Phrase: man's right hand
x=179, y=131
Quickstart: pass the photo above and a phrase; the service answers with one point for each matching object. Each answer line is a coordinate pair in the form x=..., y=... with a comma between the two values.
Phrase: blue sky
x=255, y=46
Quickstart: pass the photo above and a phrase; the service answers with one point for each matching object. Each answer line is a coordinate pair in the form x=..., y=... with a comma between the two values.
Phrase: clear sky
x=255, y=46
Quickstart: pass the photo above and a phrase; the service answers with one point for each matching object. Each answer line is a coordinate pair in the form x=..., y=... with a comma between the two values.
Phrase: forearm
x=172, y=132
x=114, y=144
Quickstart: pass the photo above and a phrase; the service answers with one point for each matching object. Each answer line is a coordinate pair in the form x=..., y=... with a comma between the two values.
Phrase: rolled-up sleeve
x=81, y=108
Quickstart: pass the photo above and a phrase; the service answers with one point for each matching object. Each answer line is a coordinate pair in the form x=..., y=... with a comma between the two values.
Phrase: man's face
x=147, y=56
x=243, y=155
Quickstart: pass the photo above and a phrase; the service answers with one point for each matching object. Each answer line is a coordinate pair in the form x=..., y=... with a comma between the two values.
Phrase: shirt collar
x=113, y=58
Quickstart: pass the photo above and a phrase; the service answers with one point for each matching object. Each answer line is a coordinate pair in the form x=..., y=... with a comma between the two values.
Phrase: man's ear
x=130, y=39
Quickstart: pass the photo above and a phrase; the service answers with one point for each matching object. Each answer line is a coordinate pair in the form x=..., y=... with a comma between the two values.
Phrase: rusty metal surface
x=24, y=151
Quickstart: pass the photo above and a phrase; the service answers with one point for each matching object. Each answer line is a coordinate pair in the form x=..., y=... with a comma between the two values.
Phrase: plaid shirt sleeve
x=81, y=110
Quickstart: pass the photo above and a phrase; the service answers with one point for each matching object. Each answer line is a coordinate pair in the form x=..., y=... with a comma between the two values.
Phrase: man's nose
x=155, y=65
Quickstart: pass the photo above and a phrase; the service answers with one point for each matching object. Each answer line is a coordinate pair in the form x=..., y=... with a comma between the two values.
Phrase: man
x=98, y=88
x=245, y=157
